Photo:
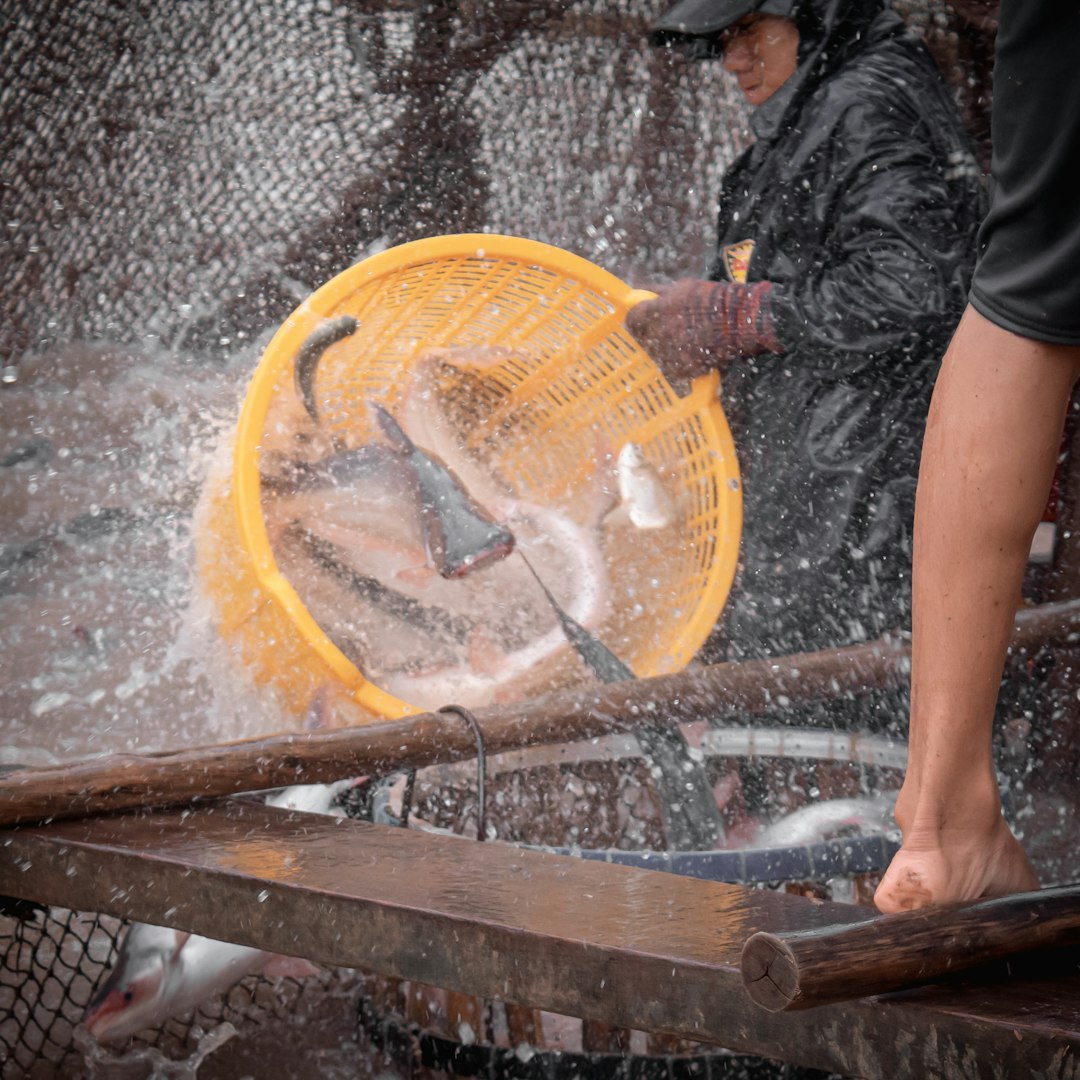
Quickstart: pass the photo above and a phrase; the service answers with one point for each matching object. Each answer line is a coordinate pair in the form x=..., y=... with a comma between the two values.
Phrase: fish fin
x=618, y=515
x=393, y=430
x=290, y=967
x=642, y=520
x=181, y=940
x=486, y=656
x=333, y=706
x=417, y=575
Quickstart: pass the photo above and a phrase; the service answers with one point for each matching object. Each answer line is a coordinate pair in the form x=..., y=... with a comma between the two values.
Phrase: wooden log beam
x=808, y=968
x=629, y=948
x=720, y=691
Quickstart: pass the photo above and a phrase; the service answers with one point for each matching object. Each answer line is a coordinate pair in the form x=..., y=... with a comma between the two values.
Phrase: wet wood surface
x=721, y=691
x=808, y=968
x=623, y=947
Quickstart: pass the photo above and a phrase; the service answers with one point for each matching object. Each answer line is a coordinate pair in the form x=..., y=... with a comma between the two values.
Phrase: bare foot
x=948, y=866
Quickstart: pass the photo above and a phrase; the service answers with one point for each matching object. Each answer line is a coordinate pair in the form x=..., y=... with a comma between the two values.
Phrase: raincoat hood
x=831, y=31
x=827, y=28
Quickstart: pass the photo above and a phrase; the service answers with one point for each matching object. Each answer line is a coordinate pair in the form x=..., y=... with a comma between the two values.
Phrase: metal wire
x=481, y=767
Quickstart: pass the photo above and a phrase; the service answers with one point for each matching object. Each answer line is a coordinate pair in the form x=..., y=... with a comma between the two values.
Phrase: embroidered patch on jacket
x=737, y=259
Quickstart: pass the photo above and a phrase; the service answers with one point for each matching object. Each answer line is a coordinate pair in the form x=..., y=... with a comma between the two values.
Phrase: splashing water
x=101, y=1064
x=107, y=646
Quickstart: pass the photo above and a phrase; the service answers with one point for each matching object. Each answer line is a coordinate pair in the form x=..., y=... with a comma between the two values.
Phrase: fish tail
x=310, y=353
x=603, y=663
x=393, y=430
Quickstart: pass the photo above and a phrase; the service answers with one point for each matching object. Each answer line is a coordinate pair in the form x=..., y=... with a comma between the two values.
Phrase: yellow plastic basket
x=573, y=374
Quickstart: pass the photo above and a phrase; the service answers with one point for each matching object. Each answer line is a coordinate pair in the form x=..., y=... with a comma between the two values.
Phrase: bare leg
x=988, y=459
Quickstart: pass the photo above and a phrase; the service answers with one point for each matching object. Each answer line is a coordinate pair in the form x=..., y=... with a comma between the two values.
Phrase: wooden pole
x=804, y=969
x=719, y=691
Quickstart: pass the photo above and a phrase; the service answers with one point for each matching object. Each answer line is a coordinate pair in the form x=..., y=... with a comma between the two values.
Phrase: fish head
x=479, y=543
x=630, y=459
x=134, y=996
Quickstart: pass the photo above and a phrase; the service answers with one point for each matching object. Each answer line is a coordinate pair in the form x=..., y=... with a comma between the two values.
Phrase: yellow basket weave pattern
x=572, y=374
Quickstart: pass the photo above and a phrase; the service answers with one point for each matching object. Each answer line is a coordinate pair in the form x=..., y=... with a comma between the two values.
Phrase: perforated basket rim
x=277, y=360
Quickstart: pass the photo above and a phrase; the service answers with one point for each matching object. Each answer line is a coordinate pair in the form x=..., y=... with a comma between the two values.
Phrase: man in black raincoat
x=845, y=246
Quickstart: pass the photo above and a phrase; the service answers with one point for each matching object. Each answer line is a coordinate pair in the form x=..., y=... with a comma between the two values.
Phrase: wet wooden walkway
x=632, y=948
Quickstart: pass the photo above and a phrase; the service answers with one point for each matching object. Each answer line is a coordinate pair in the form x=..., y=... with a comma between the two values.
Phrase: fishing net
x=52, y=961
x=597, y=797
x=186, y=173
x=177, y=176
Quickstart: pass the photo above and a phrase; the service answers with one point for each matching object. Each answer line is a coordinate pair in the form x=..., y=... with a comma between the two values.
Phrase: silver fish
x=428, y=618
x=643, y=500
x=341, y=469
x=311, y=798
x=818, y=822
x=355, y=472
x=162, y=972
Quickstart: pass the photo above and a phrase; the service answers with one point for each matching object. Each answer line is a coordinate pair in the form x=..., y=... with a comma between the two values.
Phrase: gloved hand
x=695, y=325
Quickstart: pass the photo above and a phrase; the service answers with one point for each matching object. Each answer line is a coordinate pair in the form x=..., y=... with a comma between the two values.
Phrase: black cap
x=690, y=19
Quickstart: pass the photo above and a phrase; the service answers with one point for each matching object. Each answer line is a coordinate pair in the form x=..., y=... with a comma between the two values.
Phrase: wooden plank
x=805, y=969
x=425, y=1005
x=465, y=1009
x=630, y=948
x=600, y=1038
x=524, y=1026
x=720, y=691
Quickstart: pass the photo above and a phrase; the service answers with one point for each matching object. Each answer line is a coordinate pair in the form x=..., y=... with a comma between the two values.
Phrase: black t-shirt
x=1028, y=275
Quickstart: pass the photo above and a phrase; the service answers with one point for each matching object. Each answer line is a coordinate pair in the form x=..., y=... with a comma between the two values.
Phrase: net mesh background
x=185, y=173
x=180, y=175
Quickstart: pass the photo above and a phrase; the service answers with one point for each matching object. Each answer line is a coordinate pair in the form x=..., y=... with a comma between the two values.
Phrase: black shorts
x=1028, y=275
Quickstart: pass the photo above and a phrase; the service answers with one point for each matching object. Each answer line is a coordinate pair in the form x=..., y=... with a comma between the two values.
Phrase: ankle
x=951, y=808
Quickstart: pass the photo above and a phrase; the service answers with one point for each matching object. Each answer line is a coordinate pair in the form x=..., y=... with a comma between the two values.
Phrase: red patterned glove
x=695, y=325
